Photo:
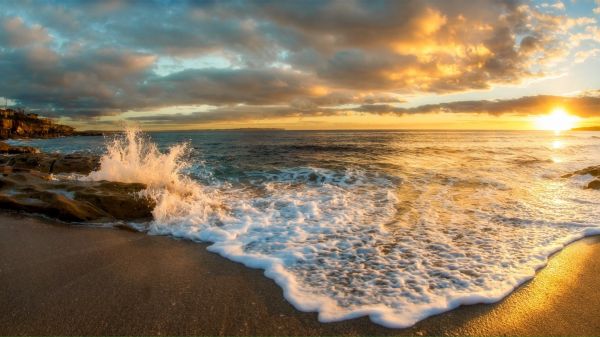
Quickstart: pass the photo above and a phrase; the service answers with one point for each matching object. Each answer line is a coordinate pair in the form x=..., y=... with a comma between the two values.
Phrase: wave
x=133, y=158
x=530, y=160
x=352, y=242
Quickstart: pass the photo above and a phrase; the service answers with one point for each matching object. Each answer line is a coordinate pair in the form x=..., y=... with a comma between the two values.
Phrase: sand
x=57, y=279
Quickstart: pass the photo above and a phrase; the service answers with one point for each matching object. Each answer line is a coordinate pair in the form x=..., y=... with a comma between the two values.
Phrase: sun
x=558, y=120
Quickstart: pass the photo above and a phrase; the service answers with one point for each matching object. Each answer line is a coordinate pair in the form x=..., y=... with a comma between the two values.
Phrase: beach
x=60, y=279
x=316, y=168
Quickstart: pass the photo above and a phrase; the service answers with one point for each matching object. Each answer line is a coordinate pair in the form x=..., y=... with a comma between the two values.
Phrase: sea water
x=396, y=225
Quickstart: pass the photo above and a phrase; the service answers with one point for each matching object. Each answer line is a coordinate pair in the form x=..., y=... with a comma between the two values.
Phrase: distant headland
x=17, y=123
x=588, y=128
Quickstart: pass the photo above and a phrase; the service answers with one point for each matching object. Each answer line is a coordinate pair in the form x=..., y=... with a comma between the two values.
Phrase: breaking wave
x=133, y=158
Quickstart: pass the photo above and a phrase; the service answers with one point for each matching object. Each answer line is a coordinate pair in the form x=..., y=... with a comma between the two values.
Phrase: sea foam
x=351, y=242
x=132, y=158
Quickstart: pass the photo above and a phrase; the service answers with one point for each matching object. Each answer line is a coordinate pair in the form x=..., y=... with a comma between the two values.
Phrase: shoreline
x=64, y=280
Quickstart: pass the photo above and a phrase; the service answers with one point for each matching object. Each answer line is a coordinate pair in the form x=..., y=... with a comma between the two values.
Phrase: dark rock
x=592, y=170
x=92, y=133
x=594, y=184
x=15, y=123
x=53, y=163
x=75, y=163
x=8, y=149
x=72, y=200
x=53, y=205
x=120, y=200
x=26, y=185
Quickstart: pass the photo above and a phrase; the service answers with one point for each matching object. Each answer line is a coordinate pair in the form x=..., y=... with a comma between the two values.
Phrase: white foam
x=350, y=243
x=134, y=159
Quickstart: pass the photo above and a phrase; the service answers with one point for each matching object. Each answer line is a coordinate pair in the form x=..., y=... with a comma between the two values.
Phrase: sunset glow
x=558, y=120
x=296, y=65
x=377, y=162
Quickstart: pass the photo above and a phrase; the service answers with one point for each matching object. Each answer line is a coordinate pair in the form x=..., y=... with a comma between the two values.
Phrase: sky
x=302, y=64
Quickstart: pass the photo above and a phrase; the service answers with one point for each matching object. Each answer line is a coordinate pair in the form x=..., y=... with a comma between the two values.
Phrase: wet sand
x=66, y=280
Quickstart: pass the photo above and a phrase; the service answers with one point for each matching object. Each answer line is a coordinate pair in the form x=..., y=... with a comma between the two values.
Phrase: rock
x=27, y=185
x=592, y=170
x=8, y=149
x=75, y=163
x=120, y=200
x=72, y=200
x=53, y=205
x=53, y=163
x=15, y=123
x=94, y=133
x=594, y=184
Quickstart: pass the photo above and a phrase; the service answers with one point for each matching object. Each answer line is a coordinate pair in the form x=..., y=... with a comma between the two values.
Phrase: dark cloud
x=263, y=86
x=229, y=86
x=89, y=83
x=106, y=81
x=236, y=113
x=587, y=105
x=16, y=34
x=86, y=58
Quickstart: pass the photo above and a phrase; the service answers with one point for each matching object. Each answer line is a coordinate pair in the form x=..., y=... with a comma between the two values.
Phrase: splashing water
x=132, y=158
x=395, y=239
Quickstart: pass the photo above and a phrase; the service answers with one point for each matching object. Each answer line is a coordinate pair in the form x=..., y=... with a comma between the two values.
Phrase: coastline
x=62, y=280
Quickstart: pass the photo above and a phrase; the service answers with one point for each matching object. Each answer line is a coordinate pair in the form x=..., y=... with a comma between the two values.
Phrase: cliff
x=15, y=123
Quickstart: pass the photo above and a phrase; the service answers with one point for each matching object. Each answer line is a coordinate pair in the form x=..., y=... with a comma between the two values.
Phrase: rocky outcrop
x=15, y=123
x=9, y=149
x=72, y=200
x=52, y=163
x=594, y=184
x=594, y=171
x=91, y=133
x=27, y=185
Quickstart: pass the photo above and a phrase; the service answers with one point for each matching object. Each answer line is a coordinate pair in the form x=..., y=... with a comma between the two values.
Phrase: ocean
x=396, y=225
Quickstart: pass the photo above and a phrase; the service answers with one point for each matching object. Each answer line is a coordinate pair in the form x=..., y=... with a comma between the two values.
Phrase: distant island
x=249, y=129
x=588, y=128
x=235, y=129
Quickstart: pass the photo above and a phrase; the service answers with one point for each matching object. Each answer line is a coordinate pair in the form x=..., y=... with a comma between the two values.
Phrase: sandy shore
x=64, y=280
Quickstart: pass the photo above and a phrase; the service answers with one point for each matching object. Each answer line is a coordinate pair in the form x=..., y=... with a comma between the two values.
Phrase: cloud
x=107, y=81
x=85, y=59
x=420, y=46
x=585, y=105
x=262, y=86
x=237, y=113
x=557, y=6
x=582, y=56
x=15, y=33
x=87, y=83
